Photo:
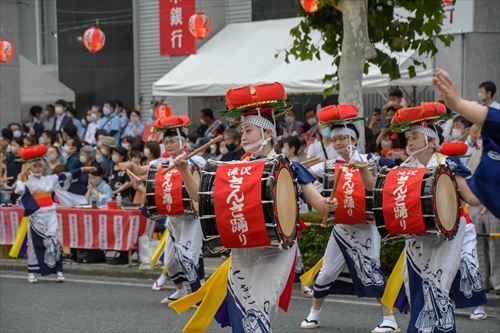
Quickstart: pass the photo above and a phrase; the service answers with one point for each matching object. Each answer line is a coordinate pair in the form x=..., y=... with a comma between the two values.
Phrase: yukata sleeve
x=66, y=178
x=303, y=176
x=457, y=167
x=20, y=187
x=491, y=125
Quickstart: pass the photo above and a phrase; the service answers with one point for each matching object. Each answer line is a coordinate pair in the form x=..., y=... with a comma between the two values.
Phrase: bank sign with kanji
x=175, y=38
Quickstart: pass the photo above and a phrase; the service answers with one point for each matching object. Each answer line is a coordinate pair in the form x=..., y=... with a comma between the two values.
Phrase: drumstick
x=133, y=175
x=313, y=224
x=332, y=195
x=358, y=166
x=492, y=235
x=312, y=160
x=196, y=152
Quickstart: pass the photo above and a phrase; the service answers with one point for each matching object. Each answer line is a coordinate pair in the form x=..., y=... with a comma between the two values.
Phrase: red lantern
x=310, y=6
x=6, y=51
x=94, y=39
x=199, y=25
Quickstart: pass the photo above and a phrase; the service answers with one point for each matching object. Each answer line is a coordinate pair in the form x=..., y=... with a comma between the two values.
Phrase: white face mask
x=284, y=151
x=481, y=97
x=386, y=144
x=213, y=149
x=106, y=111
x=147, y=152
x=51, y=157
x=42, y=140
x=17, y=134
x=99, y=158
x=312, y=121
x=36, y=174
x=289, y=119
x=59, y=110
x=46, y=113
x=83, y=159
x=202, y=121
x=92, y=117
x=456, y=134
x=123, y=121
x=115, y=158
x=126, y=145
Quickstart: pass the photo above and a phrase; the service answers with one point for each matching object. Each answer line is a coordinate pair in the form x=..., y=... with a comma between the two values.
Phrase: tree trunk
x=356, y=49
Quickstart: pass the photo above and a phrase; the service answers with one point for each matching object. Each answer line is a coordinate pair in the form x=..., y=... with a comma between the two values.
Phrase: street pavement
x=109, y=304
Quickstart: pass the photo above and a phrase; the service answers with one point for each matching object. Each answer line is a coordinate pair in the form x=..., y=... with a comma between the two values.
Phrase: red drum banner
x=238, y=205
x=402, y=206
x=351, y=197
x=168, y=192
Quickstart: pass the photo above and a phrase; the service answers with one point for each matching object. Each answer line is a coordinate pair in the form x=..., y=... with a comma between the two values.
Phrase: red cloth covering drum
x=166, y=194
x=354, y=202
x=248, y=204
x=416, y=201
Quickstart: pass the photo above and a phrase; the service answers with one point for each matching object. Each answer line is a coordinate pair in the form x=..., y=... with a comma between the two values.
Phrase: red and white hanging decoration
x=94, y=39
x=199, y=25
x=310, y=6
x=6, y=51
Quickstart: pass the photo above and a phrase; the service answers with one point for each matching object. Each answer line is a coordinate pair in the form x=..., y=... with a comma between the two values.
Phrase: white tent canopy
x=39, y=87
x=244, y=53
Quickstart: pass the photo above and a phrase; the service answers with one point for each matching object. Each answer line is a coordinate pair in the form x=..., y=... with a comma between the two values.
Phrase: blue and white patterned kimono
x=183, y=255
x=256, y=279
x=351, y=264
x=430, y=267
x=467, y=288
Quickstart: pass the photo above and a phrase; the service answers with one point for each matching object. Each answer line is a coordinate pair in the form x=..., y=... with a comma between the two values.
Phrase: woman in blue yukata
x=431, y=263
x=44, y=234
x=258, y=276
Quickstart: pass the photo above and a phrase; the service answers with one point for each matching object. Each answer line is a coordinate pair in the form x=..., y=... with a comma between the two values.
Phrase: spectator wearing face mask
x=13, y=167
x=123, y=113
x=49, y=117
x=93, y=117
x=322, y=146
x=291, y=148
x=231, y=146
x=78, y=124
x=131, y=143
x=72, y=153
x=486, y=92
x=310, y=128
x=61, y=119
x=105, y=153
x=135, y=127
x=16, y=130
x=118, y=179
x=292, y=126
x=210, y=127
x=98, y=189
x=47, y=138
x=36, y=126
x=53, y=159
x=110, y=122
x=152, y=152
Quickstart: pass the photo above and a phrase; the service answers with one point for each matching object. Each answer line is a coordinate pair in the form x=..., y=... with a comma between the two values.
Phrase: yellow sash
x=395, y=282
x=21, y=234
x=308, y=277
x=159, y=249
x=211, y=295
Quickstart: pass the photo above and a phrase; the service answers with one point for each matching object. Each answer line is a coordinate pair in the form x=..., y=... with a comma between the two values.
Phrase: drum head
x=286, y=202
x=446, y=202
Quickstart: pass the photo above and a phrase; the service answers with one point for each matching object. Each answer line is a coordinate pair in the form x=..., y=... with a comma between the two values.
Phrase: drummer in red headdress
x=260, y=277
x=431, y=261
x=36, y=190
x=353, y=250
x=183, y=248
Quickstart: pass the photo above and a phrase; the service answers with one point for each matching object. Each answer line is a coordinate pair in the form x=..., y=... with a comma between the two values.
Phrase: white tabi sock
x=389, y=321
x=314, y=314
x=161, y=280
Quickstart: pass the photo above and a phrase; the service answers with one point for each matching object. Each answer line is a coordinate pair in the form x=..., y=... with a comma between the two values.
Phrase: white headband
x=343, y=131
x=427, y=132
x=259, y=122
